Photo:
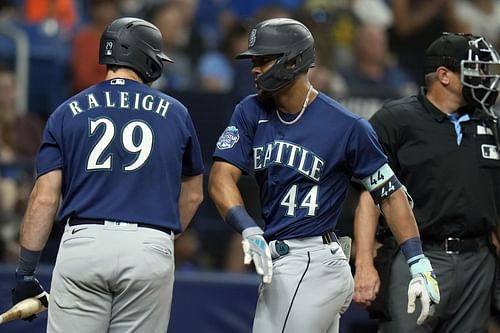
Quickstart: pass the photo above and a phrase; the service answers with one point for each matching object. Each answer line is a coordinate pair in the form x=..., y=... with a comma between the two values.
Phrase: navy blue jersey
x=303, y=170
x=122, y=148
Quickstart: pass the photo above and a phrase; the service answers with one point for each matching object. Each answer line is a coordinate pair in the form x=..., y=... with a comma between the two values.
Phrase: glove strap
x=420, y=267
x=28, y=261
x=252, y=231
x=238, y=218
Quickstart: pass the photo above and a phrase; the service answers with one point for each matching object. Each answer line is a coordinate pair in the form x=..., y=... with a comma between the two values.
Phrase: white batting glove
x=256, y=248
x=424, y=286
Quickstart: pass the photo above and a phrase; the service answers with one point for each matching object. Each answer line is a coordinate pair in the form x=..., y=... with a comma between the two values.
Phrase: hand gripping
x=26, y=287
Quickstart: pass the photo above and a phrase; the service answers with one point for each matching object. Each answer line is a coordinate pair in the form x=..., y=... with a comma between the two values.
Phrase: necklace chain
x=306, y=101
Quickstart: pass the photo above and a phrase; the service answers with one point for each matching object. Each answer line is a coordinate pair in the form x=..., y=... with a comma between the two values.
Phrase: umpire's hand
x=424, y=286
x=28, y=286
x=257, y=250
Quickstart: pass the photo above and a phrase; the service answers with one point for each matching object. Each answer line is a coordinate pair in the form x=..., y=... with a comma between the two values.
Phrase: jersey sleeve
x=50, y=155
x=364, y=153
x=235, y=143
x=192, y=160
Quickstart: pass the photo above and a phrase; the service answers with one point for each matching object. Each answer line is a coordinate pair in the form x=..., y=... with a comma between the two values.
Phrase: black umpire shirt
x=453, y=186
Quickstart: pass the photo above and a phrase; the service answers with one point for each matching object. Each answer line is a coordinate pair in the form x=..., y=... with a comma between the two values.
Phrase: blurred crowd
x=367, y=51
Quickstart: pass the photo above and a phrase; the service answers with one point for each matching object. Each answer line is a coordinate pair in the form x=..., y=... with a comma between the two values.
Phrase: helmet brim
x=163, y=57
x=254, y=52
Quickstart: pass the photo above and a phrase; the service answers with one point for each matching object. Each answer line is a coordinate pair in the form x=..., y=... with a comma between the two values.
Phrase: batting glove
x=28, y=286
x=256, y=248
x=424, y=286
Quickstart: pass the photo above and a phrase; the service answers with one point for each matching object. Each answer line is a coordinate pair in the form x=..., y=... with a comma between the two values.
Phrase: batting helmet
x=290, y=41
x=134, y=43
x=477, y=61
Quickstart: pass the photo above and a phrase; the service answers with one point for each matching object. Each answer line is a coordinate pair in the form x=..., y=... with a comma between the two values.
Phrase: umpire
x=443, y=145
x=126, y=160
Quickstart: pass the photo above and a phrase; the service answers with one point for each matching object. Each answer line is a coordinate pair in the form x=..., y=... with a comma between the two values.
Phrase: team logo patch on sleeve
x=229, y=138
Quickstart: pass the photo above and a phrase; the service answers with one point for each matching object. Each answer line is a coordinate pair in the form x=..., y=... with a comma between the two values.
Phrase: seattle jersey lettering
x=121, y=100
x=290, y=155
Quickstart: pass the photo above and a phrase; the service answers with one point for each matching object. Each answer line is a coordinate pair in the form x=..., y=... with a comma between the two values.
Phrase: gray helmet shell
x=134, y=43
x=288, y=39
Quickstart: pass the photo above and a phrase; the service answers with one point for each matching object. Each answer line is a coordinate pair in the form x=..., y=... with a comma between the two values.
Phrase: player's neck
x=291, y=99
x=123, y=73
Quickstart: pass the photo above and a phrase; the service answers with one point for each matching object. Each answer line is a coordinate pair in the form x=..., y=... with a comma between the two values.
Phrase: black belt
x=282, y=247
x=452, y=245
x=79, y=221
x=329, y=238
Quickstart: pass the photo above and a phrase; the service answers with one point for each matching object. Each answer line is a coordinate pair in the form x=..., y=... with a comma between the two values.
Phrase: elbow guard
x=382, y=183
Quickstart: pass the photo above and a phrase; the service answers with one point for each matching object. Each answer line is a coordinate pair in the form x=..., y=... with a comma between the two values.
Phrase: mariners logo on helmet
x=251, y=39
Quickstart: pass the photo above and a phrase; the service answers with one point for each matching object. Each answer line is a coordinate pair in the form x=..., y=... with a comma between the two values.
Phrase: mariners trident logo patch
x=253, y=36
x=229, y=138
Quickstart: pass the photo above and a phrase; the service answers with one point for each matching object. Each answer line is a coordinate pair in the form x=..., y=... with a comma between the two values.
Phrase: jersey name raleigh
x=290, y=155
x=120, y=100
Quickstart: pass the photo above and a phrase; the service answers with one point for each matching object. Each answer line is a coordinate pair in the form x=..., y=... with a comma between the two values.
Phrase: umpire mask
x=477, y=61
x=480, y=74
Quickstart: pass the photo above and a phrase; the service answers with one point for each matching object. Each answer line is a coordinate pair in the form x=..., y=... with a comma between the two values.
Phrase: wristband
x=238, y=218
x=412, y=249
x=28, y=260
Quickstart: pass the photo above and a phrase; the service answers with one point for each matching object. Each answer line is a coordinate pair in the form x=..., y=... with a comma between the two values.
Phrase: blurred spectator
x=373, y=74
x=53, y=14
x=20, y=137
x=332, y=24
x=189, y=38
x=85, y=67
x=373, y=12
x=9, y=10
x=328, y=81
x=217, y=70
x=169, y=19
x=270, y=11
x=482, y=17
x=416, y=24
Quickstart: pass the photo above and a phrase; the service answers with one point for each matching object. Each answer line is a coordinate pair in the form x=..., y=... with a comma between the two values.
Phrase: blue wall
x=203, y=303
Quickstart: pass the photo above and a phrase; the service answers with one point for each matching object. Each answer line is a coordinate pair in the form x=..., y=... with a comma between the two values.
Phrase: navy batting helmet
x=133, y=43
x=290, y=41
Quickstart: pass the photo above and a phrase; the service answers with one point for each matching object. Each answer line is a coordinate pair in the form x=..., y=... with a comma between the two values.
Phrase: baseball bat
x=24, y=309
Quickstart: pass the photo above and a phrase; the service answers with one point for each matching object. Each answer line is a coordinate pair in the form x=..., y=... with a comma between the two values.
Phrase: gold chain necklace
x=291, y=122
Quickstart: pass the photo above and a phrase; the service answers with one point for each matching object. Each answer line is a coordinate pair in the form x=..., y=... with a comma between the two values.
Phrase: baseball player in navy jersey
x=126, y=160
x=304, y=148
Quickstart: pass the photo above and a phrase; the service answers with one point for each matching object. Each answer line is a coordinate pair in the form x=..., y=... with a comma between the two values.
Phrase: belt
x=79, y=221
x=453, y=245
x=329, y=238
x=282, y=247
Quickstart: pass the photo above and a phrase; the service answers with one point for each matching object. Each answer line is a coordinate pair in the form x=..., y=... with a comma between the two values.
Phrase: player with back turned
x=304, y=148
x=126, y=160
